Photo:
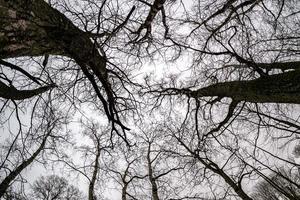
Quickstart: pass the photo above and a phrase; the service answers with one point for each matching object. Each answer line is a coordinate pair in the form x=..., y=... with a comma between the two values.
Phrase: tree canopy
x=151, y=99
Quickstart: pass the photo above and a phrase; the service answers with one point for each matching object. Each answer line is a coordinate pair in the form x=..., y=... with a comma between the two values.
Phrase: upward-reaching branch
x=156, y=7
x=14, y=173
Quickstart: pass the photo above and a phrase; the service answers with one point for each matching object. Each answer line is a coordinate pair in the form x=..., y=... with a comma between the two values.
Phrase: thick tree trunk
x=278, y=88
x=124, y=192
x=22, y=30
x=276, y=65
x=34, y=28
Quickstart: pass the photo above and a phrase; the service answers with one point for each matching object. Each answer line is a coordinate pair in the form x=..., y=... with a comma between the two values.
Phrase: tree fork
x=34, y=28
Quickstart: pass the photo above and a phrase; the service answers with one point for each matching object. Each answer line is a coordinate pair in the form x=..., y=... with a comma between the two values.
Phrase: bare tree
x=100, y=145
x=55, y=187
x=281, y=185
x=20, y=154
x=125, y=168
x=89, y=158
x=10, y=194
x=227, y=115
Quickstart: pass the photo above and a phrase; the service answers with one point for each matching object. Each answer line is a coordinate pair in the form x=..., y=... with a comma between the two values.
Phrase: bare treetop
x=177, y=99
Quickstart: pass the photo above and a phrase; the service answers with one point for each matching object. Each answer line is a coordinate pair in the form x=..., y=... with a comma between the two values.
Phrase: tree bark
x=152, y=180
x=95, y=172
x=34, y=28
x=14, y=94
x=154, y=9
x=21, y=29
x=278, y=88
x=280, y=65
x=124, y=191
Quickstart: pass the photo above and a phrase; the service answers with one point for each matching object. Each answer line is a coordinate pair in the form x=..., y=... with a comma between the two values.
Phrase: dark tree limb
x=154, y=187
x=277, y=65
x=19, y=69
x=278, y=88
x=229, y=115
x=95, y=170
x=156, y=7
x=13, y=174
x=43, y=30
x=219, y=171
x=11, y=92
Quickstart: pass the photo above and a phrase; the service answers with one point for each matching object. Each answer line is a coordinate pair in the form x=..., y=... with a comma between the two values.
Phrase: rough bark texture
x=21, y=29
x=33, y=28
x=279, y=88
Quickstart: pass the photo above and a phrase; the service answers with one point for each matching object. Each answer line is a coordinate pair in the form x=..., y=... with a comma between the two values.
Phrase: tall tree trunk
x=154, y=188
x=13, y=174
x=124, y=191
x=95, y=172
